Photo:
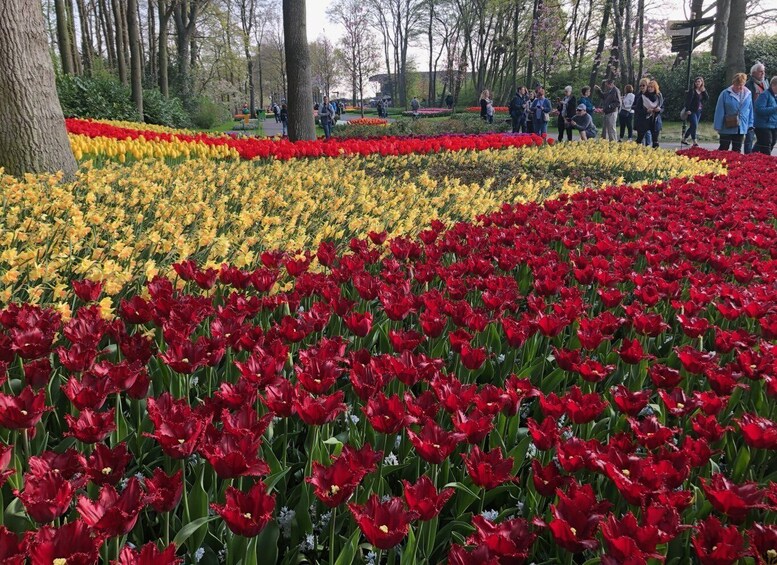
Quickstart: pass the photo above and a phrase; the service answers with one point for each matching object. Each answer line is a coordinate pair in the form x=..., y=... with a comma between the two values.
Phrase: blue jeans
x=540, y=126
x=285, y=126
x=693, y=118
x=749, y=140
x=327, y=125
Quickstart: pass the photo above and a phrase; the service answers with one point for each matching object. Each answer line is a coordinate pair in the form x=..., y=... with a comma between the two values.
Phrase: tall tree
x=165, y=13
x=300, y=95
x=735, y=43
x=86, y=37
x=323, y=64
x=247, y=10
x=121, y=58
x=63, y=38
x=136, y=60
x=33, y=138
x=353, y=16
x=185, y=15
x=720, y=36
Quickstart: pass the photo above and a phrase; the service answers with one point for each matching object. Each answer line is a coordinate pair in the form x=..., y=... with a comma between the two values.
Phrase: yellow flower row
x=141, y=126
x=124, y=223
x=141, y=148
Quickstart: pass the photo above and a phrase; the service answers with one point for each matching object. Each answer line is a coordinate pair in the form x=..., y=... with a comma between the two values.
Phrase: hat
x=581, y=107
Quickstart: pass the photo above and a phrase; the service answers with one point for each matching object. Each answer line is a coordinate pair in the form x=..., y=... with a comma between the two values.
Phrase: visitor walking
x=449, y=101
x=415, y=105
x=695, y=100
x=648, y=109
x=276, y=110
x=611, y=103
x=626, y=114
x=484, y=97
x=644, y=136
x=326, y=116
x=284, y=117
x=756, y=84
x=518, y=109
x=766, y=119
x=584, y=123
x=566, y=111
x=540, y=113
x=734, y=114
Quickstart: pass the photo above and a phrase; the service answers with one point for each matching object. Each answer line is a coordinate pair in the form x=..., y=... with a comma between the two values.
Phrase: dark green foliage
x=103, y=97
x=762, y=48
x=208, y=114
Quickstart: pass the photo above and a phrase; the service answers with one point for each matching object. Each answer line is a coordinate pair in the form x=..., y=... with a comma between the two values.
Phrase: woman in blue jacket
x=766, y=119
x=734, y=114
x=540, y=108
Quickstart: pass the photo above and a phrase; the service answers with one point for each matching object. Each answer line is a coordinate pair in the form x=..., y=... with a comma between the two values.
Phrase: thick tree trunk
x=33, y=138
x=63, y=38
x=735, y=48
x=300, y=103
x=720, y=37
x=136, y=61
x=120, y=59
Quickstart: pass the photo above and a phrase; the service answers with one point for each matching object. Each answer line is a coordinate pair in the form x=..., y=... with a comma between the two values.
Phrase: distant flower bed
x=430, y=112
x=497, y=109
x=369, y=122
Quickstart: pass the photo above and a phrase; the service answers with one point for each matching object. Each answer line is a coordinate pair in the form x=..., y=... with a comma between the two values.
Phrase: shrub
x=100, y=97
x=762, y=48
x=208, y=114
x=157, y=110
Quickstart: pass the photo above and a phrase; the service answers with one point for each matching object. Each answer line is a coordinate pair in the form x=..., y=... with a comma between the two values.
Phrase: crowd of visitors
x=745, y=115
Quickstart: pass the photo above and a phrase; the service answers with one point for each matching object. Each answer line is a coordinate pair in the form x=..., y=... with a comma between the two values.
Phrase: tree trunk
x=120, y=59
x=136, y=62
x=63, y=38
x=300, y=104
x=532, y=42
x=641, y=37
x=86, y=39
x=164, y=59
x=735, y=47
x=153, y=59
x=432, y=86
x=71, y=27
x=33, y=138
x=720, y=37
x=105, y=19
x=600, y=45
x=259, y=72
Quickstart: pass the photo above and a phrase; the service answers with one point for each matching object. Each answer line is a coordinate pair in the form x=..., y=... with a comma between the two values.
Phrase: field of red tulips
x=590, y=380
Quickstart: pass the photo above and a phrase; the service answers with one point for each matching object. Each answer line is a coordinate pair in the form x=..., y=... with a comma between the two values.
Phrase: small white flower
x=194, y=382
x=531, y=451
x=285, y=518
x=385, y=498
x=123, y=483
x=354, y=419
x=140, y=477
x=198, y=554
x=391, y=459
x=222, y=554
x=308, y=543
x=500, y=358
x=371, y=556
x=301, y=309
x=490, y=515
x=324, y=520
x=397, y=441
x=519, y=507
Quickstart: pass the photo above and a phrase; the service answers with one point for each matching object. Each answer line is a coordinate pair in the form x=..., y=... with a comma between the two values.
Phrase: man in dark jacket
x=518, y=109
x=611, y=103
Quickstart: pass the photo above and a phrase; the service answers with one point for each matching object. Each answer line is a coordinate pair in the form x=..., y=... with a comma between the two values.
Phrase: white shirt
x=627, y=102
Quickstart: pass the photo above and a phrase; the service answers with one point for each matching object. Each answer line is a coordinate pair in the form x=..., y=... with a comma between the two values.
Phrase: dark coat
x=570, y=111
x=693, y=100
x=483, y=106
x=641, y=123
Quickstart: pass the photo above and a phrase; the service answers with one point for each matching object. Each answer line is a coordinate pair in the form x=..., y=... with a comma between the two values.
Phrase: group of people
x=745, y=114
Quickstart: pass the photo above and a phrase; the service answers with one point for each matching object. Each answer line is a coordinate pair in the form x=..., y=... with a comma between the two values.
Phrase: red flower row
x=252, y=148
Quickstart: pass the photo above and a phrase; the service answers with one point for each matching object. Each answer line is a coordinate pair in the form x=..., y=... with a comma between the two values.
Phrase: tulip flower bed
x=497, y=109
x=368, y=122
x=123, y=224
x=589, y=380
x=105, y=140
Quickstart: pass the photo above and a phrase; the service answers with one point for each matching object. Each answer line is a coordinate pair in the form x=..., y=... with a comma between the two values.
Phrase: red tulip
x=247, y=513
x=488, y=469
x=23, y=411
x=12, y=550
x=73, y=543
x=164, y=491
x=86, y=290
x=384, y=524
x=46, y=497
x=149, y=555
x=433, y=443
x=716, y=544
x=510, y=541
x=177, y=429
x=423, y=498
x=576, y=518
x=113, y=514
x=91, y=426
x=106, y=466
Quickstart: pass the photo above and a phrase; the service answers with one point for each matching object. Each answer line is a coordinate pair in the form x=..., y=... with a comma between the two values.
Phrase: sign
x=675, y=28
x=681, y=44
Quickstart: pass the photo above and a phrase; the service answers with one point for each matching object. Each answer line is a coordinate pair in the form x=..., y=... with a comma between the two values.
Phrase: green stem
x=167, y=529
x=187, y=515
x=332, y=531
